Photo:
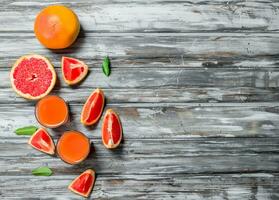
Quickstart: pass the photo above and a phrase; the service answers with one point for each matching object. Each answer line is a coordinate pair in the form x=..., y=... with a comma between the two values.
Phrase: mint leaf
x=27, y=130
x=106, y=66
x=42, y=171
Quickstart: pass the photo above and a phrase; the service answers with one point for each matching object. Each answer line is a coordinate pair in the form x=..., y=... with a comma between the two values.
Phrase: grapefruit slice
x=93, y=108
x=83, y=184
x=111, y=130
x=73, y=70
x=32, y=76
x=42, y=141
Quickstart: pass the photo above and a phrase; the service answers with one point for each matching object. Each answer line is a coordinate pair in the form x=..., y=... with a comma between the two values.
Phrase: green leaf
x=27, y=130
x=106, y=66
x=42, y=171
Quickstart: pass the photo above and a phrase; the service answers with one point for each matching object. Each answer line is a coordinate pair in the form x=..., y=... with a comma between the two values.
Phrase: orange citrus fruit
x=42, y=141
x=83, y=184
x=93, y=108
x=56, y=27
x=73, y=70
x=111, y=130
x=32, y=76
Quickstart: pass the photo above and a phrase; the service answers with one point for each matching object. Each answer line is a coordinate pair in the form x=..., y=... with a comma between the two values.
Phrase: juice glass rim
x=58, y=142
x=57, y=125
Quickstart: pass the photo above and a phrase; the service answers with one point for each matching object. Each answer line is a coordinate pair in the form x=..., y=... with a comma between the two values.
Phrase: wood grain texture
x=178, y=170
x=155, y=16
x=164, y=120
x=195, y=84
x=181, y=187
x=190, y=50
x=169, y=77
x=148, y=156
x=160, y=95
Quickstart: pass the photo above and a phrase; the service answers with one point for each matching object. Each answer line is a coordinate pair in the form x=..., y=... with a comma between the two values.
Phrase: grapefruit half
x=83, y=184
x=32, y=77
x=73, y=70
x=111, y=130
x=42, y=141
x=93, y=108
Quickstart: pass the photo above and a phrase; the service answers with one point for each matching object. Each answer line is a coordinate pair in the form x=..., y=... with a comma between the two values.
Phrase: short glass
x=73, y=147
x=52, y=111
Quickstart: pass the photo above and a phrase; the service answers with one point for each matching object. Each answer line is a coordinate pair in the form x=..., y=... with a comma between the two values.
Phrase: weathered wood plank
x=167, y=57
x=190, y=50
x=196, y=187
x=161, y=95
x=165, y=120
x=155, y=16
x=173, y=61
x=147, y=148
x=187, y=156
x=149, y=78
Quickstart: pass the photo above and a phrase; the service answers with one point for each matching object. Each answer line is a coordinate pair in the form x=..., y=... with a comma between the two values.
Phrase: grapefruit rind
x=112, y=145
x=52, y=39
x=52, y=146
x=82, y=120
x=89, y=171
x=50, y=67
x=82, y=75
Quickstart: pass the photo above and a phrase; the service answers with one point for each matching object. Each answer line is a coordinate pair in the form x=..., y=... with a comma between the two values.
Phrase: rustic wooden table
x=195, y=83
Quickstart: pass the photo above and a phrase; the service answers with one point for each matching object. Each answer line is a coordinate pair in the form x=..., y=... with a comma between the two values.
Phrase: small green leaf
x=106, y=66
x=42, y=171
x=27, y=130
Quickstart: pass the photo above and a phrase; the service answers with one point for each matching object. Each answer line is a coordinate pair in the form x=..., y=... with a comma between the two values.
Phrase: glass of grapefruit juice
x=73, y=147
x=52, y=111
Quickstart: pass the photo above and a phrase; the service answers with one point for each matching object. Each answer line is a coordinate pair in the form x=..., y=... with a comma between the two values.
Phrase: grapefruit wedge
x=32, y=77
x=83, y=184
x=73, y=70
x=42, y=141
x=111, y=130
x=93, y=108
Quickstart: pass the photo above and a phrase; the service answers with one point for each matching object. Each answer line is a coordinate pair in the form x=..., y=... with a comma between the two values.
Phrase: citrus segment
x=73, y=70
x=83, y=184
x=93, y=108
x=42, y=141
x=111, y=130
x=32, y=76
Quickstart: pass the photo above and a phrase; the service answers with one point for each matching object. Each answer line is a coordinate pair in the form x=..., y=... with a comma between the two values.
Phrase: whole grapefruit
x=56, y=27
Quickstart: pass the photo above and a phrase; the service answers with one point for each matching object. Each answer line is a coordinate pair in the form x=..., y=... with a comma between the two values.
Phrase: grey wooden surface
x=195, y=83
